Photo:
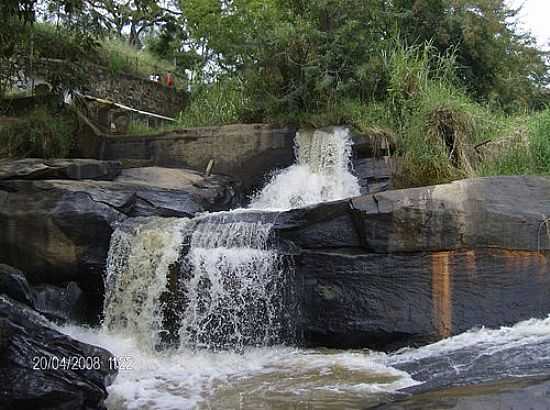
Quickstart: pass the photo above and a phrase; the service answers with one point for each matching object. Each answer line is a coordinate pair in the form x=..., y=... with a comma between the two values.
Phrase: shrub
x=40, y=134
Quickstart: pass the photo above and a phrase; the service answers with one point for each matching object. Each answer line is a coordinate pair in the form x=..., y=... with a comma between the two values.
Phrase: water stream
x=234, y=312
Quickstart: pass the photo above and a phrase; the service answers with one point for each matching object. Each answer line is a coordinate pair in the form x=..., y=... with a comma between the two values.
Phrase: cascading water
x=321, y=173
x=139, y=258
x=238, y=287
x=235, y=287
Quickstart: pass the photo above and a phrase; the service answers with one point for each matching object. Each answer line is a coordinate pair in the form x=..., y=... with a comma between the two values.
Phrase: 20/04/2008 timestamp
x=47, y=362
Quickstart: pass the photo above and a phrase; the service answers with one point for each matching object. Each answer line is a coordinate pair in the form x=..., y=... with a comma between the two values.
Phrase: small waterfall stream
x=237, y=287
x=321, y=173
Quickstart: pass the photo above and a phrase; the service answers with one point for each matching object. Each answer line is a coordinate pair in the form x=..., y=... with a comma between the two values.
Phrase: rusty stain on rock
x=442, y=293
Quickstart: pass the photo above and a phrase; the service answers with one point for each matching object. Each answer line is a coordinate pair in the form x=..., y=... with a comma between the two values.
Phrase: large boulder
x=58, y=230
x=528, y=393
x=416, y=265
x=45, y=369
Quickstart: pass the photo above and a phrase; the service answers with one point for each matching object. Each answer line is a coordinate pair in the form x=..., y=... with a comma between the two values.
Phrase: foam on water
x=187, y=379
x=486, y=341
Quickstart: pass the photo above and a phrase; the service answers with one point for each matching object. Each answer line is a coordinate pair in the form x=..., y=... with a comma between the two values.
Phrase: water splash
x=321, y=173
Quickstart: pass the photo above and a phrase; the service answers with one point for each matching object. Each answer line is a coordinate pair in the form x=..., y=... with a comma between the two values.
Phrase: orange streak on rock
x=442, y=293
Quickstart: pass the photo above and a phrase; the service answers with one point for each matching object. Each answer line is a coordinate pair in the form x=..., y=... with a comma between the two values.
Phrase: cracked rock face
x=58, y=230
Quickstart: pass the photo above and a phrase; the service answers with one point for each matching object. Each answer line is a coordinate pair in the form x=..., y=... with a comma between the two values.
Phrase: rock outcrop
x=37, y=168
x=529, y=393
x=42, y=368
x=416, y=265
x=249, y=152
x=58, y=230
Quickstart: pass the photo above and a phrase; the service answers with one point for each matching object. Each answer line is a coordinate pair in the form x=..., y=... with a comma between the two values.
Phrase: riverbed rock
x=58, y=230
x=13, y=284
x=38, y=168
x=513, y=394
x=62, y=304
x=42, y=368
x=416, y=265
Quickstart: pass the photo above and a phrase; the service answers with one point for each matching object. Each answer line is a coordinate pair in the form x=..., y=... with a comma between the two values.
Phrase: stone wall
x=101, y=82
x=245, y=151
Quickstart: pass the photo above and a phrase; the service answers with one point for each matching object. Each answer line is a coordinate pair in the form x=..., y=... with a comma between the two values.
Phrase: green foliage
x=219, y=103
x=526, y=154
x=40, y=134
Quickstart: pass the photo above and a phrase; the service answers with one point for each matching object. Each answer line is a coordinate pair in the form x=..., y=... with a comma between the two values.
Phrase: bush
x=40, y=134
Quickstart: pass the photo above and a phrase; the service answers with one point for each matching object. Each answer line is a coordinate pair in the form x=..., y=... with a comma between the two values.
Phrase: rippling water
x=275, y=377
x=280, y=377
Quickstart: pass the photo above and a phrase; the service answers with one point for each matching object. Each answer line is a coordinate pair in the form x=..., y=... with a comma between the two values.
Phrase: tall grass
x=219, y=103
x=525, y=153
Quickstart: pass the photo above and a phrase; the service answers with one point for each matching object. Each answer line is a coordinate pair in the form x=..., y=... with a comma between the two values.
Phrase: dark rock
x=513, y=394
x=60, y=304
x=374, y=174
x=496, y=212
x=413, y=266
x=36, y=168
x=248, y=152
x=13, y=284
x=385, y=301
x=35, y=365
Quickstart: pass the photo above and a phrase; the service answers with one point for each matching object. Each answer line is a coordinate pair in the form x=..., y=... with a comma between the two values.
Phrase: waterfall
x=140, y=256
x=217, y=280
x=321, y=173
x=238, y=288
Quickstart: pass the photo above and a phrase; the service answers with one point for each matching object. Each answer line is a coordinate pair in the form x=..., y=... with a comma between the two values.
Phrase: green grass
x=219, y=103
x=525, y=153
x=120, y=56
x=115, y=53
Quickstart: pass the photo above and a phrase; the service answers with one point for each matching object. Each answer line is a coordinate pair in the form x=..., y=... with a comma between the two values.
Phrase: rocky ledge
x=416, y=265
x=57, y=216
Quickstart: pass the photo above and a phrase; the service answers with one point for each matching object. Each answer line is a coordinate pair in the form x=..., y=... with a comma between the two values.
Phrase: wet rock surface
x=413, y=266
x=510, y=394
x=42, y=368
x=78, y=169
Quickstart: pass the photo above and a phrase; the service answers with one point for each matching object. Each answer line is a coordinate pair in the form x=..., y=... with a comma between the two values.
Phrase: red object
x=168, y=80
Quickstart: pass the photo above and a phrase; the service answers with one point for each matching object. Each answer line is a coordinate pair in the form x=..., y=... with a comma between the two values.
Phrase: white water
x=137, y=266
x=285, y=377
x=321, y=173
x=236, y=288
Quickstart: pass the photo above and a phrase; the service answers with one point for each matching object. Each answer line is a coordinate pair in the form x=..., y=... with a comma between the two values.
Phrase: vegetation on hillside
x=461, y=91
